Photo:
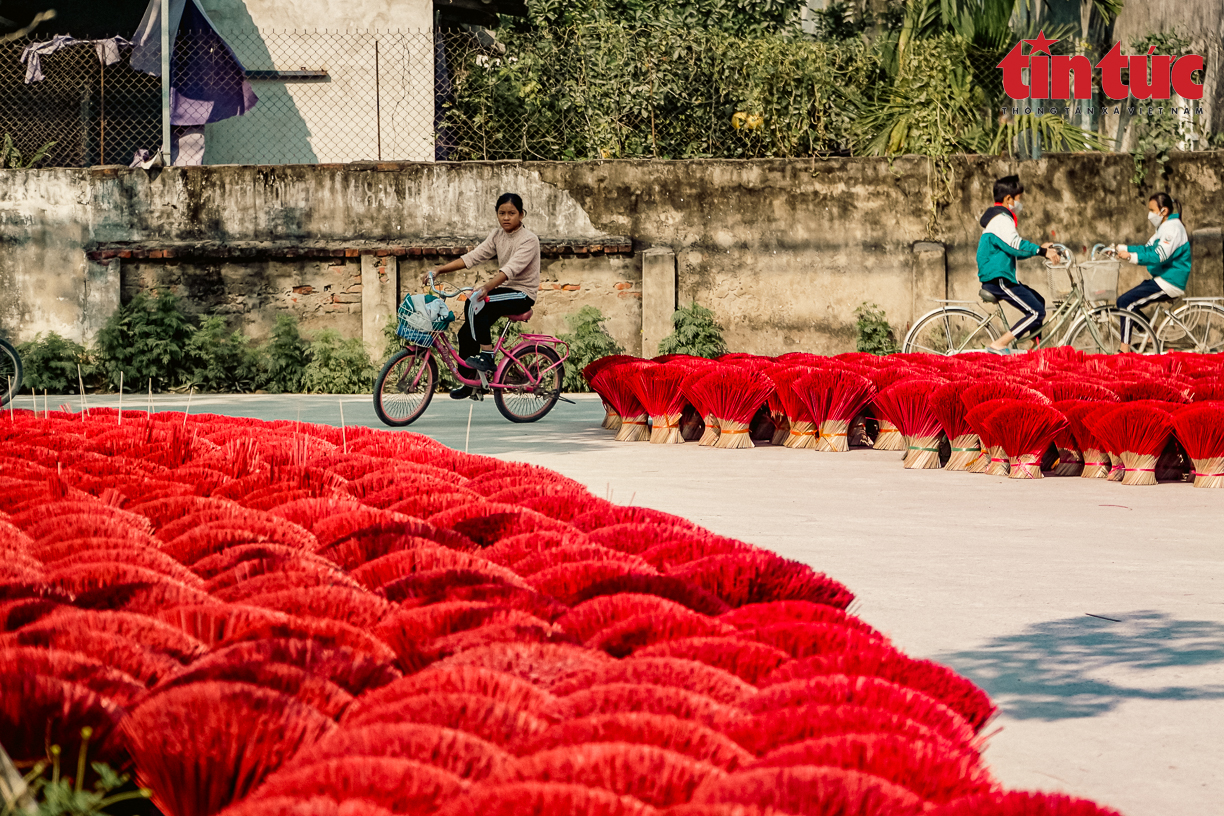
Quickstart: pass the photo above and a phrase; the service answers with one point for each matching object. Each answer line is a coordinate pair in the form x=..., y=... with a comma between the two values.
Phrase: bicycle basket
x=1100, y=280
x=1059, y=278
x=421, y=317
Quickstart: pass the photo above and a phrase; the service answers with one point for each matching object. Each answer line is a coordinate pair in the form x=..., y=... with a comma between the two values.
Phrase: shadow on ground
x=1054, y=670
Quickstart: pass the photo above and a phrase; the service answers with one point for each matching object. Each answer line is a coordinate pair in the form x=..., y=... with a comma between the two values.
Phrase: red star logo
x=1040, y=43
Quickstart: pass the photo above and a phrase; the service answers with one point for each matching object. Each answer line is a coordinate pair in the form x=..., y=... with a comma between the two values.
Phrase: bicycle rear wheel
x=521, y=401
x=1100, y=332
x=405, y=386
x=10, y=372
x=1195, y=327
x=950, y=330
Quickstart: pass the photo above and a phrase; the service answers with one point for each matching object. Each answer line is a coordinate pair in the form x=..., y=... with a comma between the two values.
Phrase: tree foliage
x=695, y=332
x=588, y=341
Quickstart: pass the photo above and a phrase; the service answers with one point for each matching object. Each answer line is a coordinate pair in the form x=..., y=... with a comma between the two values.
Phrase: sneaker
x=482, y=361
x=998, y=351
x=462, y=392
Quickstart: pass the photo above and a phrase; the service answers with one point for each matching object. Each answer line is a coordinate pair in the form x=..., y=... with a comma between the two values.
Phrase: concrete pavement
x=1092, y=612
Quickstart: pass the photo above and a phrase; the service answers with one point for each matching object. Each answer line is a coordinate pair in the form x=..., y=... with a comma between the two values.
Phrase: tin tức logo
x=1139, y=76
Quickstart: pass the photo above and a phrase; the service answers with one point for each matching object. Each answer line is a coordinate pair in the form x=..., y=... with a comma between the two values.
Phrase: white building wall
x=360, y=112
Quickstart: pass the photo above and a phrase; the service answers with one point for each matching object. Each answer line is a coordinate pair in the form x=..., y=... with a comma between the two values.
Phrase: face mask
x=1155, y=218
x=1018, y=207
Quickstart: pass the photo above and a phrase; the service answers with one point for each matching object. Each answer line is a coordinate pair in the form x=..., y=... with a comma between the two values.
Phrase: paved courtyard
x=1093, y=613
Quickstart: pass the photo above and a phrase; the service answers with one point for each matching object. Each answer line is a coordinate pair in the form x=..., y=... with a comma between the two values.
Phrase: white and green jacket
x=1000, y=246
x=1166, y=256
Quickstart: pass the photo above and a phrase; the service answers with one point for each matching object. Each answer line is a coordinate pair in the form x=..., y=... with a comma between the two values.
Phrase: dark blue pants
x=501, y=302
x=1144, y=294
x=1030, y=303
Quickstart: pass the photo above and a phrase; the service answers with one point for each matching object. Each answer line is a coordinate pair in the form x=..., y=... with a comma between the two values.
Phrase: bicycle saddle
x=987, y=297
x=520, y=318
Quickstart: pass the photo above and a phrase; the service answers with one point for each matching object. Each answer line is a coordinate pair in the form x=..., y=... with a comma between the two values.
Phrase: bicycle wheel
x=1195, y=327
x=1100, y=332
x=950, y=330
x=10, y=372
x=522, y=401
x=405, y=386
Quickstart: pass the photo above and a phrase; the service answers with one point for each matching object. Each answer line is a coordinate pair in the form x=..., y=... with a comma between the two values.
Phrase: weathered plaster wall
x=783, y=251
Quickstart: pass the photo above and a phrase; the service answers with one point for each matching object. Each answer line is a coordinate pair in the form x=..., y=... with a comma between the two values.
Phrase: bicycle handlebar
x=434, y=286
x=1066, y=254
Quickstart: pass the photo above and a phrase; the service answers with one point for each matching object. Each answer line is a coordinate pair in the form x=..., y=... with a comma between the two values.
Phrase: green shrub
x=696, y=332
x=873, y=332
x=147, y=339
x=51, y=364
x=589, y=341
x=337, y=365
x=284, y=357
x=53, y=789
x=223, y=361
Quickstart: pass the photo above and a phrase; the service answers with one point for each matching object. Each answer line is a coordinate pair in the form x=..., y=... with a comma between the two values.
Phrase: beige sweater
x=518, y=256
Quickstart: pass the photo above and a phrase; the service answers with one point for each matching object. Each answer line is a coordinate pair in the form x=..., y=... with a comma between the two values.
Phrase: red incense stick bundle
x=733, y=395
x=1138, y=434
x=697, y=399
x=835, y=398
x=615, y=384
x=950, y=409
x=659, y=390
x=1080, y=417
x=1025, y=431
x=907, y=405
x=1200, y=429
x=801, y=428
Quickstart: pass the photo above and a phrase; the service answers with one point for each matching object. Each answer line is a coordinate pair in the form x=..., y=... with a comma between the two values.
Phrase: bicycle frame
x=446, y=353
x=1064, y=313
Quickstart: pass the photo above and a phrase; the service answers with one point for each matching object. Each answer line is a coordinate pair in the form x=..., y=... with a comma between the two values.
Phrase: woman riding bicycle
x=512, y=291
x=1166, y=256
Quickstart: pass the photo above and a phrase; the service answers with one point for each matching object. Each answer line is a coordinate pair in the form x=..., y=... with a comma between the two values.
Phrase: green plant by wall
x=51, y=363
x=337, y=365
x=284, y=357
x=51, y=790
x=146, y=339
x=694, y=331
x=221, y=360
x=589, y=341
x=10, y=156
x=873, y=332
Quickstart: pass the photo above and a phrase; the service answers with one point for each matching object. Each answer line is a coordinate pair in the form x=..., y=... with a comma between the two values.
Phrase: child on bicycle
x=1166, y=256
x=512, y=291
x=998, y=249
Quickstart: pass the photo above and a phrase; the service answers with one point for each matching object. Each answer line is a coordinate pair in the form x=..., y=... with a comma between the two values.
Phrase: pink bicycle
x=525, y=385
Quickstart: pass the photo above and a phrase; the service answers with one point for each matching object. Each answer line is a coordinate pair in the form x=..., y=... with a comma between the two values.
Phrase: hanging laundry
x=32, y=55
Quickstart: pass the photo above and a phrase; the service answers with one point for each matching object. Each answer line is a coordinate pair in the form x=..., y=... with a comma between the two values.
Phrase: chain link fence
x=472, y=94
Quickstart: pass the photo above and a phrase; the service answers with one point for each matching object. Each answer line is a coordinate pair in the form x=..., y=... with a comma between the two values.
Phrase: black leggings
x=501, y=302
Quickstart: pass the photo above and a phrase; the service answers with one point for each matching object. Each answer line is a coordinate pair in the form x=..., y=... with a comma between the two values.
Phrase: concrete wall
x=368, y=108
x=782, y=251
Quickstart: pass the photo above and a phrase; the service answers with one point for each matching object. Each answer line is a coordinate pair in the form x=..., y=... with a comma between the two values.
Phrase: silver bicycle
x=1082, y=315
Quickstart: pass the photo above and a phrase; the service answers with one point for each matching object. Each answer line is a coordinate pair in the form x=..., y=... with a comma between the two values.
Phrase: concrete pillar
x=929, y=265
x=379, y=289
x=658, y=297
x=100, y=298
x=1207, y=271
